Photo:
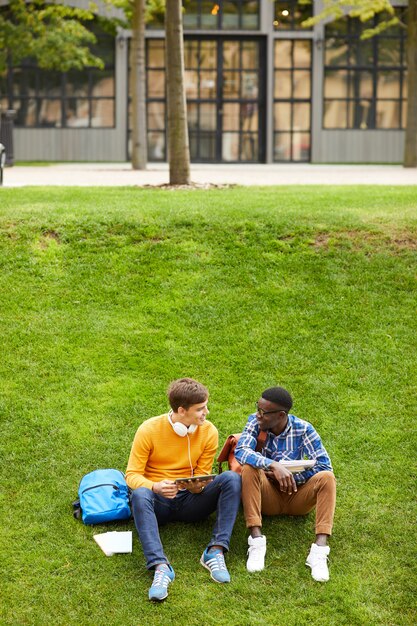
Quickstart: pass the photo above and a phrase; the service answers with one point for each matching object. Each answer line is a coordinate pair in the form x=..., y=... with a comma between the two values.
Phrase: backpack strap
x=76, y=509
x=260, y=443
x=227, y=452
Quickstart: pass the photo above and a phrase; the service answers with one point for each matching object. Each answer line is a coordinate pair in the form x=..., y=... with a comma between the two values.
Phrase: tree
x=51, y=33
x=138, y=86
x=410, y=150
x=365, y=10
x=178, y=147
x=137, y=13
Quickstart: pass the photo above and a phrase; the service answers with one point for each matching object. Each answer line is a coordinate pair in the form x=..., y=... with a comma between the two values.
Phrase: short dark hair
x=185, y=392
x=279, y=396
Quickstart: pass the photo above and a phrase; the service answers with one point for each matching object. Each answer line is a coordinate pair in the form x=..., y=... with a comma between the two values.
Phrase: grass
x=108, y=295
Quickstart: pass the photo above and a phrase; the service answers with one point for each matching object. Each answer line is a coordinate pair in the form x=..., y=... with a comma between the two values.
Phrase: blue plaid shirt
x=299, y=440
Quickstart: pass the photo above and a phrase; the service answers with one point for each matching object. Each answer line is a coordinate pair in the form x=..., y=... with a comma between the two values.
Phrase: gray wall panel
x=52, y=144
x=358, y=146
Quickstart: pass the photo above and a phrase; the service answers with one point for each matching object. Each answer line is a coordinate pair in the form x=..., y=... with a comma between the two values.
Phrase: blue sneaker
x=162, y=577
x=214, y=562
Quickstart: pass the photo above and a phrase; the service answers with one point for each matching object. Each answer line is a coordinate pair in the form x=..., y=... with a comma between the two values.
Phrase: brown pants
x=260, y=495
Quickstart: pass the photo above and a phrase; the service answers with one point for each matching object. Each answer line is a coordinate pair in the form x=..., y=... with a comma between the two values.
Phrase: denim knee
x=232, y=480
x=141, y=496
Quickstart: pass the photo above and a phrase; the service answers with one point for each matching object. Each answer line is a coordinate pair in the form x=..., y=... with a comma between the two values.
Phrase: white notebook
x=298, y=465
x=116, y=542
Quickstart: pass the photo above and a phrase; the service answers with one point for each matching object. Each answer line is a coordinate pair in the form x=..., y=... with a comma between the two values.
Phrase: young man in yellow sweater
x=179, y=444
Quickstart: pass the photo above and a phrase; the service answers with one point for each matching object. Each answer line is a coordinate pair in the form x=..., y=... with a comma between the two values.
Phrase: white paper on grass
x=115, y=542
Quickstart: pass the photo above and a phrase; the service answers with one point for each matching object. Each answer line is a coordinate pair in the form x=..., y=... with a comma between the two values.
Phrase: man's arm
x=245, y=453
x=138, y=460
x=245, y=450
x=205, y=461
x=313, y=448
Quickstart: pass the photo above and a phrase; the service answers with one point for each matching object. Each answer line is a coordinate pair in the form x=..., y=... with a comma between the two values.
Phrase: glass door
x=201, y=76
x=225, y=90
x=292, y=100
x=225, y=99
x=241, y=102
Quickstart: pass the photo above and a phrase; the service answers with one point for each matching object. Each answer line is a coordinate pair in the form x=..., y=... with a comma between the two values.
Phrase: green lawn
x=109, y=294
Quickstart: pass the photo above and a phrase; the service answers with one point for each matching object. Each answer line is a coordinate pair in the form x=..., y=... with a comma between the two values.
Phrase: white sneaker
x=317, y=560
x=256, y=553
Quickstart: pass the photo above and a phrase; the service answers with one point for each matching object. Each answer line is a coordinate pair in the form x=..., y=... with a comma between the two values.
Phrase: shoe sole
x=221, y=582
x=258, y=569
x=318, y=580
x=158, y=599
x=252, y=571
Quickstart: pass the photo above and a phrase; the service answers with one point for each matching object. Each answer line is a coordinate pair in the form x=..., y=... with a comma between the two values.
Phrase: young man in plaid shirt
x=269, y=488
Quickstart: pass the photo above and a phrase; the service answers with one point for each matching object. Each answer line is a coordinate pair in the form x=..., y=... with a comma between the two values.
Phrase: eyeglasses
x=262, y=412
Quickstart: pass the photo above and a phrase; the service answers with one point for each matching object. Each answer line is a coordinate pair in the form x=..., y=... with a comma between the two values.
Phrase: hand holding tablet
x=193, y=479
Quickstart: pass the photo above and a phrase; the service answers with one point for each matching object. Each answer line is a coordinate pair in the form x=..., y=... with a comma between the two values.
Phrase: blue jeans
x=151, y=510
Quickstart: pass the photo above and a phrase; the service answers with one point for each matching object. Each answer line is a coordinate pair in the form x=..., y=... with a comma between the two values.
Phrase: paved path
x=121, y=174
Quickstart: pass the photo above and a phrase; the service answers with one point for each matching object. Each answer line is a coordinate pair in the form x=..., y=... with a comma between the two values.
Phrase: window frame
x=30, y=72
x=355, y=105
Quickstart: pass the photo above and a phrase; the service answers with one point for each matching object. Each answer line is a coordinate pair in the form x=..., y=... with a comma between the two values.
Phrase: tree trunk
x=138, y=87
x=410, y=152
x=178, y=148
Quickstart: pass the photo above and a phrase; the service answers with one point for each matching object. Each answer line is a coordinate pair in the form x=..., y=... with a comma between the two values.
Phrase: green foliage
x=364, y=10
x=154, y=9
x=51, y=33
x=108, y=294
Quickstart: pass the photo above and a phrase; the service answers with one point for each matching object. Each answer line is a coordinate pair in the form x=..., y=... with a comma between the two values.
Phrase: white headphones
x=181, y=429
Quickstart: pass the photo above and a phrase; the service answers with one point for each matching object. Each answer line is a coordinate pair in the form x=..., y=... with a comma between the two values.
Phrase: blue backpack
x=103, y=497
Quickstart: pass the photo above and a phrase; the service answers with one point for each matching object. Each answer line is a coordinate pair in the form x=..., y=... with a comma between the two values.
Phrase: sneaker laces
x=161, y=578
x=319, y=557
x=318, y=561
x=255, y=552
x=216, y=562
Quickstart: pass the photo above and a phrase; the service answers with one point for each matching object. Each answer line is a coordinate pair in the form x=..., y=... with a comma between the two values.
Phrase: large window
x=241, y=101
x=45, y=98
x=292, y=100
x=216, y=15
x=365, y=80
x=225, y=84
x=156, y=99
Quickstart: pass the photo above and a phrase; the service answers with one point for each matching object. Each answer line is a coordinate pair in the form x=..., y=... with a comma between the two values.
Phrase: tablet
x=193, y=479
x=298, y=465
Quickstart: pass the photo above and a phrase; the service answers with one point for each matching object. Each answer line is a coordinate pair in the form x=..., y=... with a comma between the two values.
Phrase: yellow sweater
x=158, y=453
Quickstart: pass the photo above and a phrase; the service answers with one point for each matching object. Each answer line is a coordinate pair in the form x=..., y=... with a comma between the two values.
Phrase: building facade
x=260, y=88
